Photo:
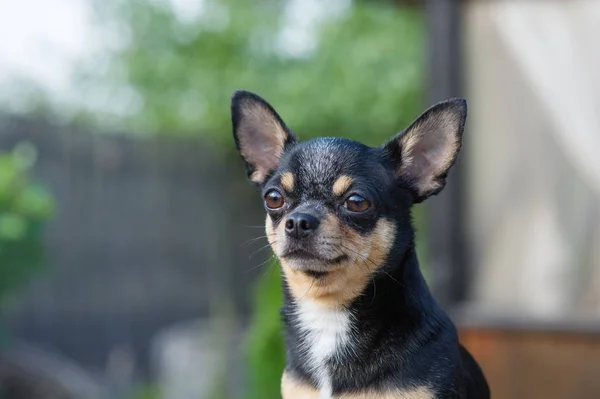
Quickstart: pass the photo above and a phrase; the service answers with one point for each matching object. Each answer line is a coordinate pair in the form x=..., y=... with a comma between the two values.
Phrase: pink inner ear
x=428, y=150
x=262, y=139
x=264, y=155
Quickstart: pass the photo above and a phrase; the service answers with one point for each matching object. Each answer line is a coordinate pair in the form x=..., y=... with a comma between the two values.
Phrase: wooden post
x=446, y=230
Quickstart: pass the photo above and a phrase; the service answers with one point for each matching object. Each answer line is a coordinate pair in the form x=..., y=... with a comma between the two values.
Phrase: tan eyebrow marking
x=287, y=181
x=342, y=184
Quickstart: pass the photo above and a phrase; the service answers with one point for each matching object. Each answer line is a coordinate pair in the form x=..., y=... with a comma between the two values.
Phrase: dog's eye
x=356, y=203
x=274, y=200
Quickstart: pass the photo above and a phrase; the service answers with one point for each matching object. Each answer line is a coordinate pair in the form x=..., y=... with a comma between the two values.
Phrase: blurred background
x=129, y=261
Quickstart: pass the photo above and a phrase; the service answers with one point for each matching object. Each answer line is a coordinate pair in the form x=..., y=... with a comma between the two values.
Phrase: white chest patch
x=327, y=333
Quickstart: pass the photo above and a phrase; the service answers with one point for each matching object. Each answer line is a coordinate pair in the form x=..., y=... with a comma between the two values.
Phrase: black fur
x=402, y=338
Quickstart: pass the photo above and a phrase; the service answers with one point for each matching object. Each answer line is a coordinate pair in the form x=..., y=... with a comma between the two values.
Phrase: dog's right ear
x=424, y=152
x=260, y=134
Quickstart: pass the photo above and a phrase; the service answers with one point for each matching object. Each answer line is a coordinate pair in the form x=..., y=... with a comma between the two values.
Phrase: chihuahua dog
x=360, y=321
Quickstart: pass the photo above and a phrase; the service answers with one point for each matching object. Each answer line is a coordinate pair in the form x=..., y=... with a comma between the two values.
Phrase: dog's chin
x=312, y=264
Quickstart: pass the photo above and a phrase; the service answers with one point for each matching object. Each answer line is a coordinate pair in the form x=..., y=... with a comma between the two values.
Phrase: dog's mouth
x=302, y=254
x=315, y=273
x=311, y=263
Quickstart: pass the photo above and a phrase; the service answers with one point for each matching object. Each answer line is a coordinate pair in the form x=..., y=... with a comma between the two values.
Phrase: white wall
x=533, y=76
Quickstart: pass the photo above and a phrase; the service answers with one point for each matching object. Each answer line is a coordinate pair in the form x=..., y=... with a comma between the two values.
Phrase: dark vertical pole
x=446, y=231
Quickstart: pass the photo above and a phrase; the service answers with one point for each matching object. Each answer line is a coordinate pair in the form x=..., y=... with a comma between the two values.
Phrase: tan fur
x=292, y=388
x=262, y=139
x=438, y=135
x=349, y=278
x=341, y=185
x=287, y=181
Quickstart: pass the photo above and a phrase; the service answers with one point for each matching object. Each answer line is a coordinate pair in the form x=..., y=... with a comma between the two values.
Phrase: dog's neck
x=398, y=291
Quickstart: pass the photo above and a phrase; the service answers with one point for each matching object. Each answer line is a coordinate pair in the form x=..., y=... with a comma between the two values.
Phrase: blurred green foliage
x=24, y=207
x=145, y=392
x=363, y=80
x=266, y=349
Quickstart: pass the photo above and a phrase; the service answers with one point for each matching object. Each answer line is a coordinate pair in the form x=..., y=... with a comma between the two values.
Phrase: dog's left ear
x=424, y=152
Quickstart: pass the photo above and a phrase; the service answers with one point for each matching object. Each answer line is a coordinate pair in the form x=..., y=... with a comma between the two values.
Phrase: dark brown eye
x=274, y=200
x=356, y=203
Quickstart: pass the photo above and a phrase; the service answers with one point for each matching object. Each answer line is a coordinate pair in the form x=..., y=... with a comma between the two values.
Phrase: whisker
x=374, y=289
x=273, y=260
x=309, y=288
x=390, y=276
x=261, y=248
x=261, y=264
x=256, y=238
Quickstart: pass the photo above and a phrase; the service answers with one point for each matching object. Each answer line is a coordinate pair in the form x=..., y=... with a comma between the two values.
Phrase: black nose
x=300, y=225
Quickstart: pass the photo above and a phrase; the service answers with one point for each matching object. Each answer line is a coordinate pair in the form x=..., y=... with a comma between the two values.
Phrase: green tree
x=363, y=80
x=24, y=207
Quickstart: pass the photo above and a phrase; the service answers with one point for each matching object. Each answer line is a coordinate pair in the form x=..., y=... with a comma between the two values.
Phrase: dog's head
x=336, y=208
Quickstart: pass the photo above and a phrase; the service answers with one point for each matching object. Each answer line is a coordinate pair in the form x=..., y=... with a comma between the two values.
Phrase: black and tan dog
x=360, y=321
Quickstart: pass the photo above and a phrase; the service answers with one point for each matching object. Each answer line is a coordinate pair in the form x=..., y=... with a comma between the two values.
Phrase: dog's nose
x=301, y=225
